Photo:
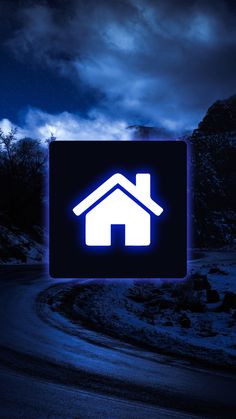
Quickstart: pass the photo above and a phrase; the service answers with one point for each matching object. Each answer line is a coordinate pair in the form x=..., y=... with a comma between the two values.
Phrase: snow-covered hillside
x=194, y=318
x=18, y=247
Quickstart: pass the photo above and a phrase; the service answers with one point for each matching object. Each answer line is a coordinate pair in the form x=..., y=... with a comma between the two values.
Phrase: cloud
x=68, y=126
x=6, y=126
x=153, y=62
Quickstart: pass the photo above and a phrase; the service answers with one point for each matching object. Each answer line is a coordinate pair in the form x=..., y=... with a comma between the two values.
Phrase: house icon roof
x=140, y=191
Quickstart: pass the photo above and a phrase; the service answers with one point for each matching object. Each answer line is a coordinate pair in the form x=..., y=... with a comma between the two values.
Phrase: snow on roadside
x=194, y=318
x=17, y=247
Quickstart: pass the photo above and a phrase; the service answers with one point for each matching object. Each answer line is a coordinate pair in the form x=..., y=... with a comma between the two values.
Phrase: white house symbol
x=118, y=202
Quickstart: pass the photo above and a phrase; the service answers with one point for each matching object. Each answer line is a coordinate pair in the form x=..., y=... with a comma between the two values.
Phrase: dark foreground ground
x=50, y=367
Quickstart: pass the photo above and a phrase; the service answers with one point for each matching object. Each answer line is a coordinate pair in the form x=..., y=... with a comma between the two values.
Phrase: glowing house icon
x=118, y=201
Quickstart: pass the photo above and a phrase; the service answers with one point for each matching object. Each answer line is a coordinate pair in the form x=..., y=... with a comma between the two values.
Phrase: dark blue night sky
x=80, y=65
x=25, y=85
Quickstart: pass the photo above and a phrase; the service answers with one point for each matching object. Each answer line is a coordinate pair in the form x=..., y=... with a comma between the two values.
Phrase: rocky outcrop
x=213, y=169
x=220, y=117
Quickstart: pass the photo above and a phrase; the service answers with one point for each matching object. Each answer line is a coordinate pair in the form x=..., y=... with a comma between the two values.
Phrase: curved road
x=51, y=368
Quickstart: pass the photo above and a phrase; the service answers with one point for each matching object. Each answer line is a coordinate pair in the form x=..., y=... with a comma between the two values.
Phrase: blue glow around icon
x=118, y=201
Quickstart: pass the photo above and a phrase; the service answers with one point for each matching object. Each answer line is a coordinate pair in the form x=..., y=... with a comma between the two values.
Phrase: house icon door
x=119, y=201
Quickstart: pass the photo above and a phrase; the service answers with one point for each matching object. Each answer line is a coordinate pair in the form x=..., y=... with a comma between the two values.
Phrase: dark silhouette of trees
x=23, y=167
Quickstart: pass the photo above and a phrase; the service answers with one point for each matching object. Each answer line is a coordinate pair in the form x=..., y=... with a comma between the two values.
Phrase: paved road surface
x=50, y=368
